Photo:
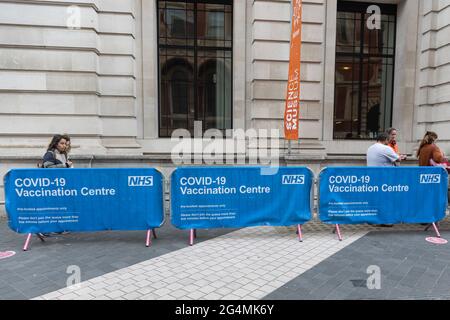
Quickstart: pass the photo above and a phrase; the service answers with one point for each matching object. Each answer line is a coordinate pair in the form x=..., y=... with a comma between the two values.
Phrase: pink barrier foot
x=338, y=232
x=191, y=237
x=436, y=230
x=299, y=232
x=148, y=242
x=27, y=242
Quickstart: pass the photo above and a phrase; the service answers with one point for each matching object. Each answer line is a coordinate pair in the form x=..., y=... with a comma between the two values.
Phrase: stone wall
x=57, y=79
x=433, y=92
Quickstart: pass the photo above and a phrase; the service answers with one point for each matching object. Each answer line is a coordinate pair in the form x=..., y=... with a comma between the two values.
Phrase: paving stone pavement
x=44, y=267
x=245, y=264
x=410, y=268
x=251, y=263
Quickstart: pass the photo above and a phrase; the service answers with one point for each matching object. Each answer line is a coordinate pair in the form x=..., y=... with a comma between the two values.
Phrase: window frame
x=361, y=8
x=195, y=48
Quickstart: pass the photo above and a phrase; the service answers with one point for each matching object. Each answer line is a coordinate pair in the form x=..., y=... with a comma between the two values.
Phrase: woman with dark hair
x=68, y=148
x=429, y=153
x=56, y=156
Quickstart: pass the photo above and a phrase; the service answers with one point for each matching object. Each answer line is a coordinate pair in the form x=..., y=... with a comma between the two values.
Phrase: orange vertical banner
x=292, y=110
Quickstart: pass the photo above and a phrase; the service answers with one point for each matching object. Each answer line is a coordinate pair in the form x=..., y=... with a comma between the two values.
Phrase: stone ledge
x=167, y=157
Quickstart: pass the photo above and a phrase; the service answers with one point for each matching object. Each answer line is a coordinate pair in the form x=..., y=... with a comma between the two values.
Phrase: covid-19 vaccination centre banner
x=55, y=200
x=382, y=195
x=231, y=197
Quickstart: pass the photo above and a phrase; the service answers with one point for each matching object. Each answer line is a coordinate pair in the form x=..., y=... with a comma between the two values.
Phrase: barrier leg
x=338, y=232
x=428, y=227
x=154, y=233
x=27, y=242
x=436, y=229
x=191, y=237
x=195, y=233
x=299, y=232
x=148, y=242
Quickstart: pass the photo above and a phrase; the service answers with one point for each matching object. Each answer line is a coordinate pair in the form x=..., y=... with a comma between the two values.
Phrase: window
x=364, y=78
x=195, y=64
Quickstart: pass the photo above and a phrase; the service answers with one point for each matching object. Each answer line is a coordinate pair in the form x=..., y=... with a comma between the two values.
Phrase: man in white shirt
x=380, y=154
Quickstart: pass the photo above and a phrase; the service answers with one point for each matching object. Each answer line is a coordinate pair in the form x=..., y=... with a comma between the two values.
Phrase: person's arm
x=392, y=156
x=437, y=155
x=51, y=162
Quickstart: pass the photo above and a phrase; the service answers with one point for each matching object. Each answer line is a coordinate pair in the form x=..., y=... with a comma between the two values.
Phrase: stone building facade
x=100, y=81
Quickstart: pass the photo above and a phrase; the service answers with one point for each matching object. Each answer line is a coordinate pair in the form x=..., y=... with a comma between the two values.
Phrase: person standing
x=429, y=152
x=392, y=132
x=380, y=154
x=373, y=120
x=56, y=157
x=68, y=148
x=430, y=155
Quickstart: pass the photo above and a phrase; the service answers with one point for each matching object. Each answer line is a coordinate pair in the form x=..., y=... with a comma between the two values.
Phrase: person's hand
x=403, y=157
x=69, y=163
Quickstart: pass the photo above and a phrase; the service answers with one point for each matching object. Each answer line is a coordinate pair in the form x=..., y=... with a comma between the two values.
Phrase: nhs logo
x=430, y=178
x=293, y=179
x=140, y=181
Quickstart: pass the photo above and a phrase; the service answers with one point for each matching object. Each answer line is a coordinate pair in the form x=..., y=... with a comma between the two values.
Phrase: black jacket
x=50, y=161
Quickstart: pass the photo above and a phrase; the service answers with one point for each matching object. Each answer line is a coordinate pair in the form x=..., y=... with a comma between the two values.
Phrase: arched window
x=176, y=98
x=214, y=90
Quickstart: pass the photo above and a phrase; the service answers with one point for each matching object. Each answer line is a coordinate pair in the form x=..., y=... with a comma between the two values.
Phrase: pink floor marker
x=338, y=232
x=6, y=254
x=436, y=229
x=435, y=240
x=148, y=242
x=299, y=231
x=27, y=242
x=191, y=237
x=154, y=233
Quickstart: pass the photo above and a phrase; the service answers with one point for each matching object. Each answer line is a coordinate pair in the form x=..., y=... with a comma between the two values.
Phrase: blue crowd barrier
x=235, y=197
x=356, y=195
x=56, y=200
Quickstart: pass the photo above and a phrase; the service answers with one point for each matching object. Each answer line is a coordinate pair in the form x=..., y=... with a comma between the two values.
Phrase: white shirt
x=380, y=155
x=60, y=156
